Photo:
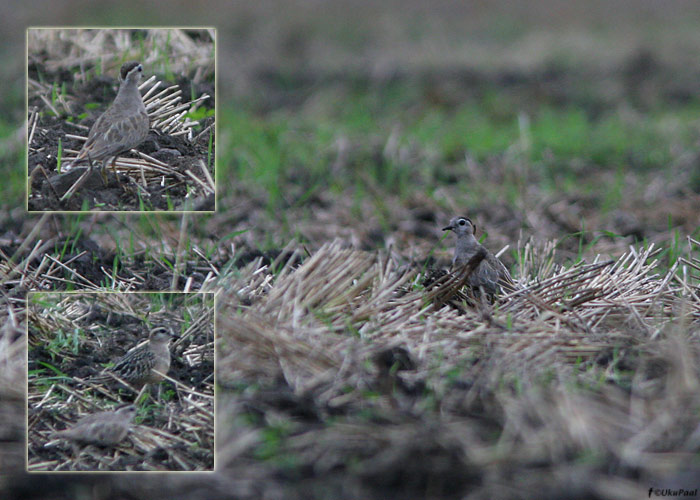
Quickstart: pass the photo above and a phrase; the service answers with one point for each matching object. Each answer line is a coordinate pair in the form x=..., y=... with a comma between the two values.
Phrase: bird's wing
x=109, y=432
x=114, y=133
x=504, y=279
x=488, y=268
x=133, y=361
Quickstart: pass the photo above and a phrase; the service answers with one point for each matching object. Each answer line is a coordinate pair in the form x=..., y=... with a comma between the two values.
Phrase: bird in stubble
x=144, y=364
x=123, y=126
x=106, y=428
x=490, y=275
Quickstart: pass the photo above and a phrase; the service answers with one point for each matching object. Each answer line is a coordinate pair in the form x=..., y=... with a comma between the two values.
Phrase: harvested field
x=350, y=363
x=66, y=78
x=73, y=335
x=363, y=374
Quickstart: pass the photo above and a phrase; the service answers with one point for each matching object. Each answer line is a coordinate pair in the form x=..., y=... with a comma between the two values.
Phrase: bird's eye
x=462, y=222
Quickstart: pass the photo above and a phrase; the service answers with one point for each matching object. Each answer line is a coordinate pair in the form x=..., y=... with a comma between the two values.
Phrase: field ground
x=73, y=335
x=348, y=135
x=67, y=88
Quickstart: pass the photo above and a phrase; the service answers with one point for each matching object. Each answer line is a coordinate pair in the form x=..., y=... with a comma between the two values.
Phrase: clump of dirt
x=166, y=185
x=77, y=334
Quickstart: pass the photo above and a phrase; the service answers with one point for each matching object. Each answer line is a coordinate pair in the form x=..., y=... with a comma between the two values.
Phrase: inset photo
x=121, y=119
x=120, y=382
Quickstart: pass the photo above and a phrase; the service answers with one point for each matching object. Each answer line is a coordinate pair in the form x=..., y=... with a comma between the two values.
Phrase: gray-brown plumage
x=123, y=126
x=490, y=274
x=139, y=366
x=106, y=428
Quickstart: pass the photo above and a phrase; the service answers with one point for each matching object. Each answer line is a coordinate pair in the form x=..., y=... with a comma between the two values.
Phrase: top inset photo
x=121, y=119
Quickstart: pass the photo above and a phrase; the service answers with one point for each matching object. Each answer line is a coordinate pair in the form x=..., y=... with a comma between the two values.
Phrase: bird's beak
x=447, y=228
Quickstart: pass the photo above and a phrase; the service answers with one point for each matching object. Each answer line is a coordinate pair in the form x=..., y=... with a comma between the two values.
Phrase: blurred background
x=376, y=122
x=548, y=117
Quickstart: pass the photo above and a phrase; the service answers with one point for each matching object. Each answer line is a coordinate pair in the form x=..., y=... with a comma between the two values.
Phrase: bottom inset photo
x=120, y=382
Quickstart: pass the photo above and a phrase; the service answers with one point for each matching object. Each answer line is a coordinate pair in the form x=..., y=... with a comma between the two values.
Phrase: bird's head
x=131, y=71
x=460, y=226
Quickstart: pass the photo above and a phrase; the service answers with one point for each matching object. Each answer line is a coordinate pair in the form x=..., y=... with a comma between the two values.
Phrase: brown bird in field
x=106, y=428
x=144, y=364
x=123, y=126
x=490, y=274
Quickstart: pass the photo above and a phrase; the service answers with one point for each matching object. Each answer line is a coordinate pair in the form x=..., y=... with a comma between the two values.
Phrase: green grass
x=557, y=147
x=59, y=156
x=64, y=342
x=13, y=158
x=273, y=437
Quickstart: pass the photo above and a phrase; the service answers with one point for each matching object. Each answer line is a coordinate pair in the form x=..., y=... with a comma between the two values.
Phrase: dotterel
x=106, y=428
x=490, y=274
x=123, y=126
x=144, y=364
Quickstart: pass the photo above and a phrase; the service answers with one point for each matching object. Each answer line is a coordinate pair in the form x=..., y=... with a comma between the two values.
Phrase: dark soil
x=424, y=460
x=111, y=335
x=120, y=193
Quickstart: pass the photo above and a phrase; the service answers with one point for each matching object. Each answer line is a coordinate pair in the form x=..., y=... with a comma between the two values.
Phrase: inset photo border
x=120, y=381
x=121, y=119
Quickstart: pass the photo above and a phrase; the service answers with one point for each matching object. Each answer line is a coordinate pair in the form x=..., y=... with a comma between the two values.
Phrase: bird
x=490, y=275
x=144, y=364
x=106, y=428
x=123, y=126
